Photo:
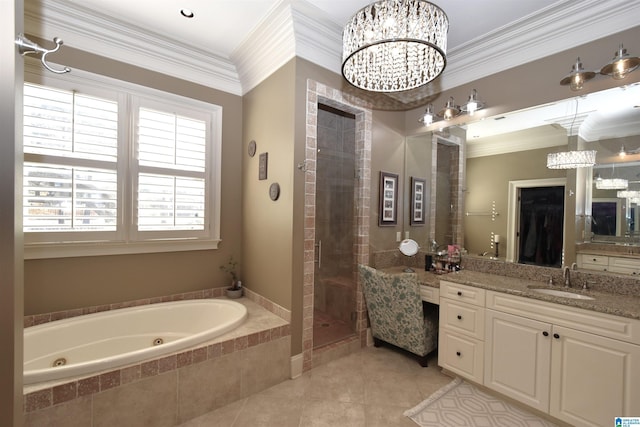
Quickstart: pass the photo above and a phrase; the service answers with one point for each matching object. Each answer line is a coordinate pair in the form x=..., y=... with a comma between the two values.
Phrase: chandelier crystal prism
x=395, y=45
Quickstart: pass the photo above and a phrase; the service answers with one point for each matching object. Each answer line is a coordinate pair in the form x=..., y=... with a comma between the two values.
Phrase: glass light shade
x=450, y=110
x=473, y=104
x=621, y=64
x=611, y=184
x=394, y=45
x=571, y=159
x=427, y=119
x=578, y=75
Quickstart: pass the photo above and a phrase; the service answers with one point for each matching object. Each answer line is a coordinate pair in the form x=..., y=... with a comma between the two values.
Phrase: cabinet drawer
x=624, y=265
x=594, y=259
x=463, y=293
x=462, y=318
x=429, y=294
x=461, y=355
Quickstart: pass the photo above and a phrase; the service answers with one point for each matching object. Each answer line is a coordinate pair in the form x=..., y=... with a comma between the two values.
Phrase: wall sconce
x=473, y=104
x=578, y=75
x=621, y=65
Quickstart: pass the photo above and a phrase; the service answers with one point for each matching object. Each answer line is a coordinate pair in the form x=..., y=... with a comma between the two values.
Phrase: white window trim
x=119, y=244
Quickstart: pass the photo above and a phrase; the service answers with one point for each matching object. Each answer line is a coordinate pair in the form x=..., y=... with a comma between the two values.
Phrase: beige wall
x=67, y=283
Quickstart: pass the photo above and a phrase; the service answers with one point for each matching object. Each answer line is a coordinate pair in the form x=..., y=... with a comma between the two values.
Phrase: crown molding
x=269, y=46
x=559, y=27
x=297, y=28
x=94, y=32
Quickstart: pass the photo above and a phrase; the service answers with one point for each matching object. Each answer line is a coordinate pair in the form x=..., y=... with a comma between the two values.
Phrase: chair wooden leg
x=422, y=360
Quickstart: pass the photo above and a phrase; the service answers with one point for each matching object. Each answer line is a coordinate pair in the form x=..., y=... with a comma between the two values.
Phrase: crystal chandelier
x=628, y=194
x=394, y=45
x=612, y=184
x=571, y=159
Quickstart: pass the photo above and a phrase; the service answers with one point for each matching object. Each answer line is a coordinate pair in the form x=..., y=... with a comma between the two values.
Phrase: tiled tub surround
x=175, y=388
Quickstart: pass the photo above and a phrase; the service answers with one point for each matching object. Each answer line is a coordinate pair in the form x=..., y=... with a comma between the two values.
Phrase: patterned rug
x=460, y=404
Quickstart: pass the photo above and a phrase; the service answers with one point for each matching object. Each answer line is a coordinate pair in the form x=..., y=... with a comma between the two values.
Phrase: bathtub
x=103, y=341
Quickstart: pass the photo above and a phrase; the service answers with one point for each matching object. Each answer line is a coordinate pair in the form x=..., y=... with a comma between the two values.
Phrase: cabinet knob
x=545, y=333
x=458, y=354
x=459, y=293
x=556, y=336
x=459, y=317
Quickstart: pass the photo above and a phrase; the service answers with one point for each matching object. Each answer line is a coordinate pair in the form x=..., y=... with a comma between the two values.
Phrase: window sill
x=70, y=250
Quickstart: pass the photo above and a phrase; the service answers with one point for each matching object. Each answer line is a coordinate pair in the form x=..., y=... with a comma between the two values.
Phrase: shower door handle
x=319, y=252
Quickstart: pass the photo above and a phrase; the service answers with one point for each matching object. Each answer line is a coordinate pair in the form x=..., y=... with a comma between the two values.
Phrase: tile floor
x=372, y=387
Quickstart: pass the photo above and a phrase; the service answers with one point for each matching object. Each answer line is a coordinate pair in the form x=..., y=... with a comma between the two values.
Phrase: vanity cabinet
x=579, y=366
x=614, y=264
x=461, y=333
x=518, y=358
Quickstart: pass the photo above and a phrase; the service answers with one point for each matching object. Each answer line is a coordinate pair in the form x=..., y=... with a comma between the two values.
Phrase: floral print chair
x=397, y=314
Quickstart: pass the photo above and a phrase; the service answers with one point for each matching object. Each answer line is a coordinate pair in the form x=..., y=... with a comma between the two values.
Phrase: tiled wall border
x=274, y=308
x=66, y=392
x=317, y=92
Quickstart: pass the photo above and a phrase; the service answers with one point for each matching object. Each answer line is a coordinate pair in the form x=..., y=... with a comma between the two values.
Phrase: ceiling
x=232, y=45
x=220, y=26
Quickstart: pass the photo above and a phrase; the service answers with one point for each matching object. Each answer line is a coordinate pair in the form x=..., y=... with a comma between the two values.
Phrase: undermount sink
x=563, y=294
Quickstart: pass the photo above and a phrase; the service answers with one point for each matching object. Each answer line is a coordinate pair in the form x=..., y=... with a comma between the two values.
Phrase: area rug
x=460, y=404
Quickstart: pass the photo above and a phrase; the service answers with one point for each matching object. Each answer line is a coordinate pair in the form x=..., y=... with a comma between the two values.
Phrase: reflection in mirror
x=417, y=165
x=514, y=146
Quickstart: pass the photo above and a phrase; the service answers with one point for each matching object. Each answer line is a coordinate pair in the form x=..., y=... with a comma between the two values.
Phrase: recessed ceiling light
x=187, y=13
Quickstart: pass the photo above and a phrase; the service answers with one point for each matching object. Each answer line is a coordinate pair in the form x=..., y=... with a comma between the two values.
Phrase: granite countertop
x=603, y=302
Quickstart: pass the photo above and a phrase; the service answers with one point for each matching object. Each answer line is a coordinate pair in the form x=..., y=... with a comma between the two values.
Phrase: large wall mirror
x=507, y=155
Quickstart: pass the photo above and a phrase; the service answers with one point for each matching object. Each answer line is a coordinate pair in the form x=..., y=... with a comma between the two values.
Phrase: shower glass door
x=334, y=281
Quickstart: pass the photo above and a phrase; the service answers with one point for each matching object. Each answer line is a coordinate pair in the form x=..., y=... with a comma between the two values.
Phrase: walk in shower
x=334, y=279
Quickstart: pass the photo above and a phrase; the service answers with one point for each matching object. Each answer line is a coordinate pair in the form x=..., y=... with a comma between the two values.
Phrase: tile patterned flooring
x=370, y=388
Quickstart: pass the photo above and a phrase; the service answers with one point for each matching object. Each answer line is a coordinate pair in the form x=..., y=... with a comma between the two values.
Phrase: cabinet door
x=518, y=358
x=461, y=354
x=593, y=379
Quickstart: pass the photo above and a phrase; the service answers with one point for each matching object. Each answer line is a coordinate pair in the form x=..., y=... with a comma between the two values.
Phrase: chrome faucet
x=566, y=274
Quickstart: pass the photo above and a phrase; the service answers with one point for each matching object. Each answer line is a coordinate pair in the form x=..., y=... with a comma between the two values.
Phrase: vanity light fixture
x=394, y=45
x=473, y=104
x=427, y=119
x=621, y=64
x=578, y=75
x=618, y=68
x=450, y=110
x=571, y=159
x=622, y=153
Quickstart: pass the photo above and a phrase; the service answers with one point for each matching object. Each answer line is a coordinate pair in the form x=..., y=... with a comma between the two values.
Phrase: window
x=111, y=167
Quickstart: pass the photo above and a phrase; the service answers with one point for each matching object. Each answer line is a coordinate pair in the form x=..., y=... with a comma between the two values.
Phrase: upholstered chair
x=397, y=313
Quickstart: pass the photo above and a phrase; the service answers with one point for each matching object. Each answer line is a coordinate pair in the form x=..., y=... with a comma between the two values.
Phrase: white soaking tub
x=106, y=340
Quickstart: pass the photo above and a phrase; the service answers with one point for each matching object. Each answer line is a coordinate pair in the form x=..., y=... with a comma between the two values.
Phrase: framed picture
x=417, y=214
x=262, y=166
x=388, y=199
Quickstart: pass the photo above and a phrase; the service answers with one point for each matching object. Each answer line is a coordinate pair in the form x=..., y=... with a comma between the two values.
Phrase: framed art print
x=417, y=213
x=388, y=214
